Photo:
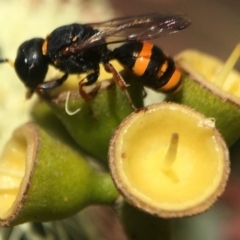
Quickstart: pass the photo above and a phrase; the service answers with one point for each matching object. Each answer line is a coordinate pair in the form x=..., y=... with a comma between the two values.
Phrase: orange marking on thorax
x=74, y=39
x=44, y=47
x=143, y=59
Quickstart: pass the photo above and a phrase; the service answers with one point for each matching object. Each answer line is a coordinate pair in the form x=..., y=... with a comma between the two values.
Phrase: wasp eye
x=31, y=65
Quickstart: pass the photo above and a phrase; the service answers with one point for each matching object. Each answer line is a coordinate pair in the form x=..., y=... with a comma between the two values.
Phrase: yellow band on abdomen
x=173, y=81
x=143, y=59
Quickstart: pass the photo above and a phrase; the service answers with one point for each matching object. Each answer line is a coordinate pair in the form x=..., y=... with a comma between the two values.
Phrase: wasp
x=80, y=48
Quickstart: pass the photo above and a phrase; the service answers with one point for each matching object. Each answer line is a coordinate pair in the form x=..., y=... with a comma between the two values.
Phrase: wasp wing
x=136, y=28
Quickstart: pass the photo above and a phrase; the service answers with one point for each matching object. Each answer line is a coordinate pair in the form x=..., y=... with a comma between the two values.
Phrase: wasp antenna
x=69, y=112
x=11, y=63
x=3, y=60
x=8, y=61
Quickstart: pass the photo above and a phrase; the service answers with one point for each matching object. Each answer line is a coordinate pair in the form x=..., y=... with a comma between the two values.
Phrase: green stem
x=103, y=190
x=139, y=225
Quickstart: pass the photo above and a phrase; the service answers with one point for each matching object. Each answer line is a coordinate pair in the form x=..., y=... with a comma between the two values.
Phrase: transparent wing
x=137, y=28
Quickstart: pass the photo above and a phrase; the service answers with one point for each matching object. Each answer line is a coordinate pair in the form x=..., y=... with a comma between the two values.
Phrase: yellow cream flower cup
x=212, y=88
x=169, y=160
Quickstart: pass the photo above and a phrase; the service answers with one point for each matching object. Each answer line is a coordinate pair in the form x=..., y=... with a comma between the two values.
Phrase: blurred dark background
x=215, y=25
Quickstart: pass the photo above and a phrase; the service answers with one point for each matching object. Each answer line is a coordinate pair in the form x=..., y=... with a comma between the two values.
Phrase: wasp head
x=30, y=64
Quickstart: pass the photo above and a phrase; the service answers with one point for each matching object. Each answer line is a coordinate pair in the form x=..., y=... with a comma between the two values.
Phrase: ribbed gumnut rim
x=116, y=158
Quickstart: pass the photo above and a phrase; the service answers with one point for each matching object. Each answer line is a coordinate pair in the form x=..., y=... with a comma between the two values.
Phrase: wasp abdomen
x=157, y=70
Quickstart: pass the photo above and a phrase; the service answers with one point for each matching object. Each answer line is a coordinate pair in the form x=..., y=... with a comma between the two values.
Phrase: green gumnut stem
x=139, y=225
x=93, y=126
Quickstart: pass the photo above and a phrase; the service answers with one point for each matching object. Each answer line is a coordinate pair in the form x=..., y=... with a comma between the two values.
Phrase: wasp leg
x=49, y=85
x=91, y=78
x=144, y=93
x=120, y=82
x=52, y=83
